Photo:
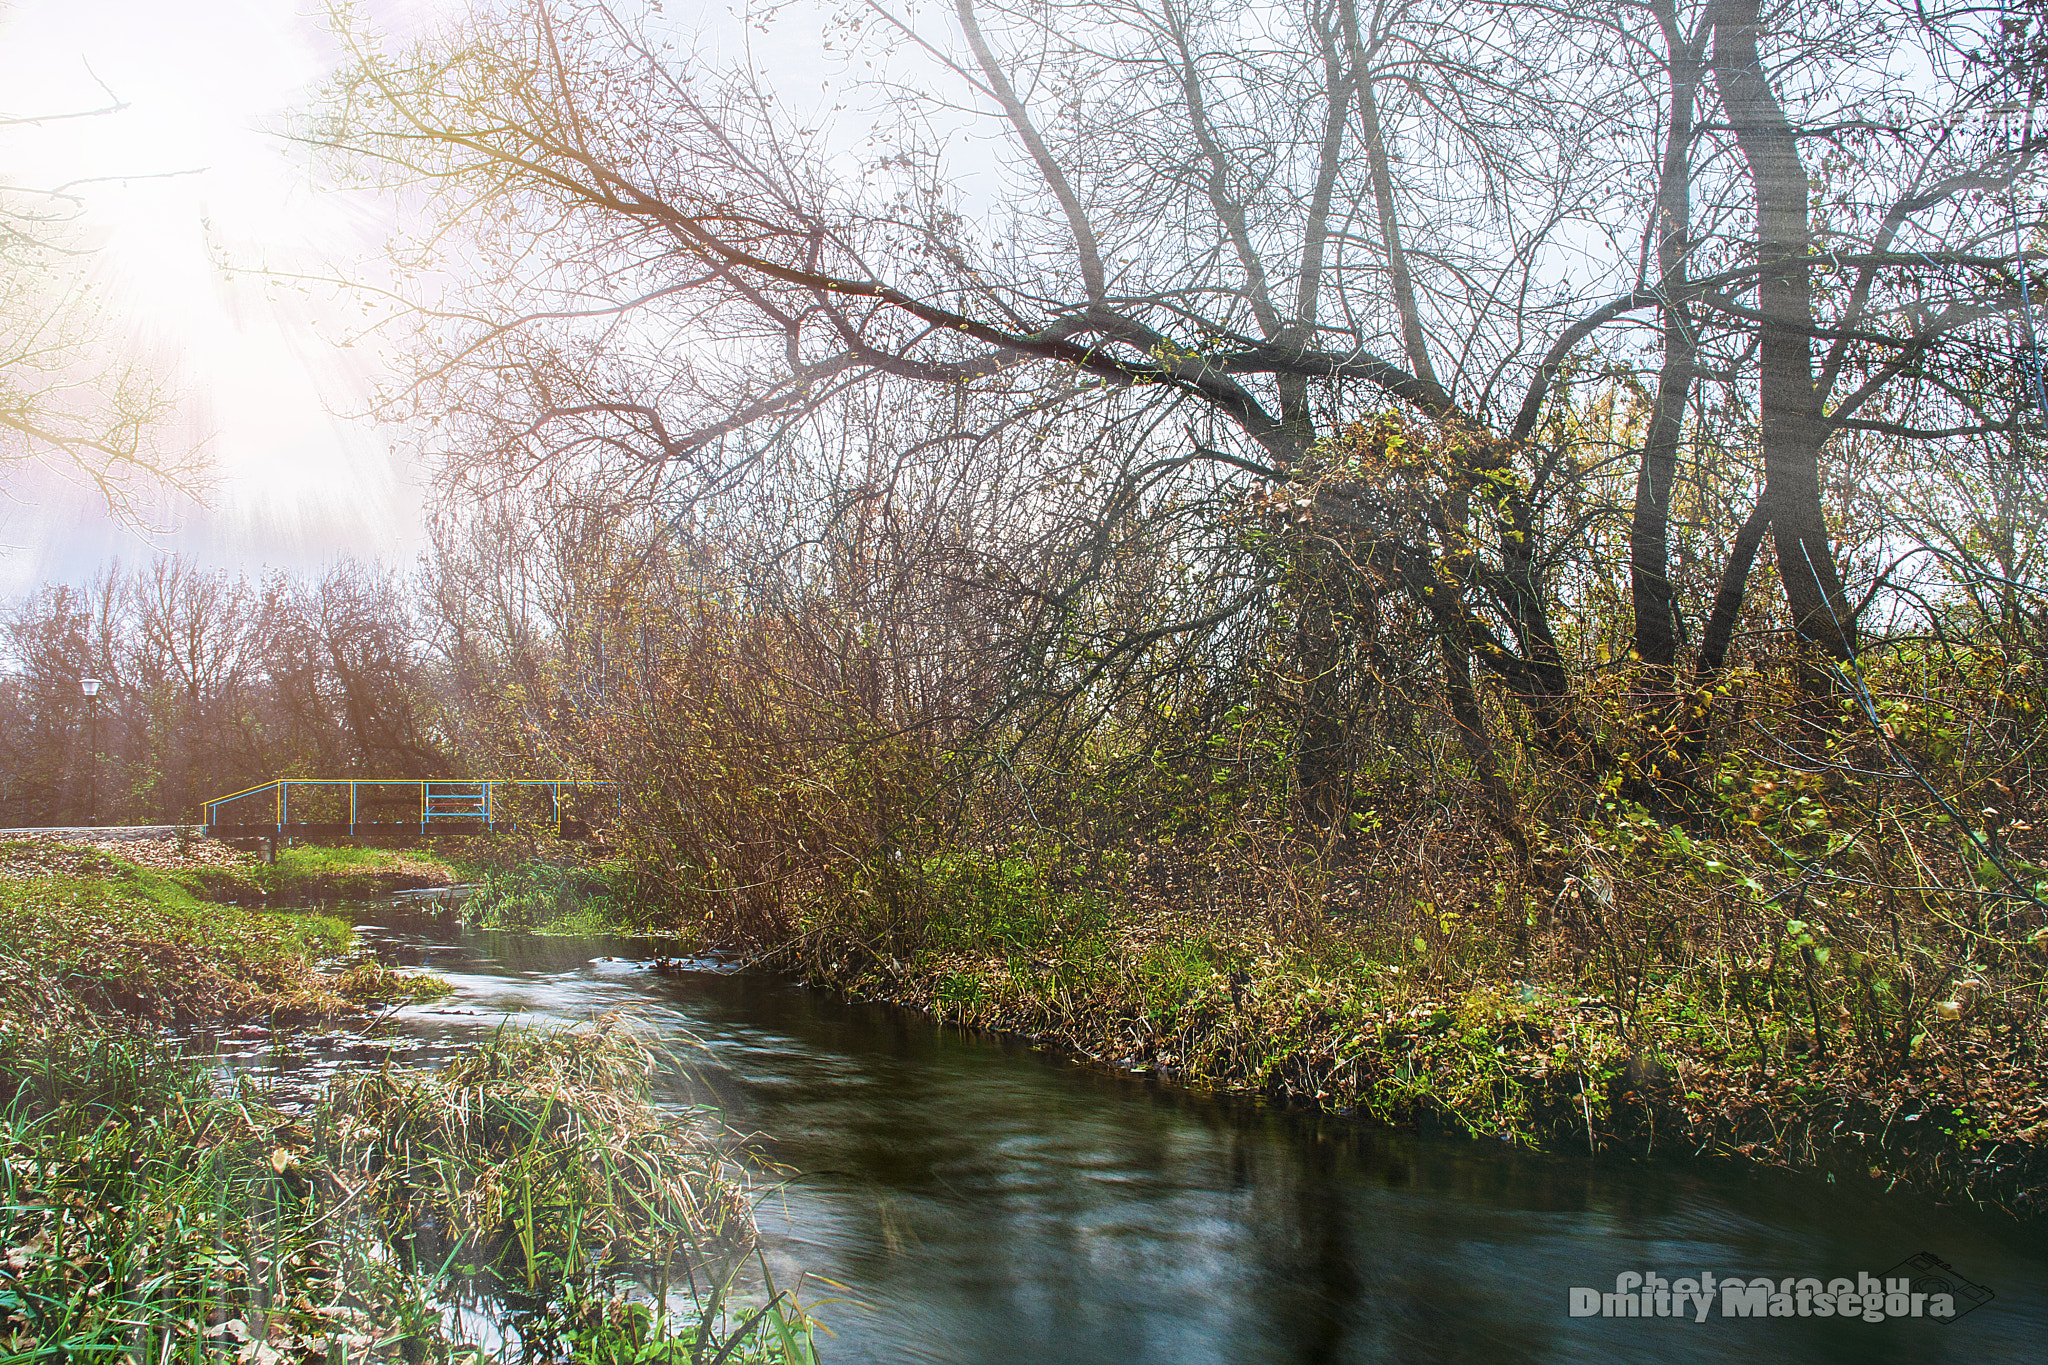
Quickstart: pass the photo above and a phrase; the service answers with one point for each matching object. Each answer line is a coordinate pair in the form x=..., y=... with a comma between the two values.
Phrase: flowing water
x=964, y=1199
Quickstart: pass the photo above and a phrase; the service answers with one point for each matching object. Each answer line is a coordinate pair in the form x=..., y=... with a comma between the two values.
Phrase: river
x=971, y=1200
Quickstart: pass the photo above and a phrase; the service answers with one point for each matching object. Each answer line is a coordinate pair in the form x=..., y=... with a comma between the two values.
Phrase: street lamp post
x=91, y=688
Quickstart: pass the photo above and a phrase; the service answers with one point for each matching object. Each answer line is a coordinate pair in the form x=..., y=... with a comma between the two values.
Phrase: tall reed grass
x=526, y=1202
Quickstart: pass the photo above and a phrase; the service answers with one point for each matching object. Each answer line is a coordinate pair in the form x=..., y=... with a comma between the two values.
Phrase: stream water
x=965, y=1199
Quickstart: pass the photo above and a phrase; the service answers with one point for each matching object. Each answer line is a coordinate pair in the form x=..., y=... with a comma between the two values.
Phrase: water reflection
x=979, y=1202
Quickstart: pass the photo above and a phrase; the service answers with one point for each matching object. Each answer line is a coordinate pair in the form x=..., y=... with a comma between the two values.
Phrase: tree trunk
x=1728, y=596
x=1656, y=608
x=1789, y=402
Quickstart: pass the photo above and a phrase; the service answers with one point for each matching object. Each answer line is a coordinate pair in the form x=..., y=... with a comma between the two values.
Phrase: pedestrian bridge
x=352, y=806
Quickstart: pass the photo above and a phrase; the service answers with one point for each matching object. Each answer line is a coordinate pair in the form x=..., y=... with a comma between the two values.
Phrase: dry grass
x=47, y=856
x=539, y=1155
x=146, y=1215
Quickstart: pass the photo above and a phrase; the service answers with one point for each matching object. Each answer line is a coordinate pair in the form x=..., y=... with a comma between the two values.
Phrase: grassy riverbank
x=155, y=1208
x=100, y=942
x=150, y=1213
x=141, y=935
x=1677, y=1070
x=1607, y=1012
x=205, y=869
x=1652, y=1001
x=553, y=886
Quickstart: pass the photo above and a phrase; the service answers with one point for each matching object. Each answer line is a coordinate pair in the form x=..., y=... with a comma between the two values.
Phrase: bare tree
x=343, y=660
x=1871, y=307
x=1332, y=257
x=188, y=665
x=211, y=683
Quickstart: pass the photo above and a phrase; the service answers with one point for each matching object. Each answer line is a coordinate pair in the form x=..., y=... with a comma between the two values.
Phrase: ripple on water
x=984, y=1203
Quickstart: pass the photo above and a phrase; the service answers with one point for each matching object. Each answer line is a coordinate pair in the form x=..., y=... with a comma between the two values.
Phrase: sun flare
x=162, y=126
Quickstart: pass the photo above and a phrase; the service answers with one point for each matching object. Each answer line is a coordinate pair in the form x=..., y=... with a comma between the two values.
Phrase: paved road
x=114, y=833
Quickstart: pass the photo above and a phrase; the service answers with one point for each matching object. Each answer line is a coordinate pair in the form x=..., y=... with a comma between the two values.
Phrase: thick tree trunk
x=1656, y=608
x=1794, y=428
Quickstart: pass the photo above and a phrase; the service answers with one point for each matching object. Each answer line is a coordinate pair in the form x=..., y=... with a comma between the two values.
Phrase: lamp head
x=90, y=686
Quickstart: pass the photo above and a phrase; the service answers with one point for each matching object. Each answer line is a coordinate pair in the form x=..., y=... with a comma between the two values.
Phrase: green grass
x=147, y=1215
x=375, y=983
x=115, y=940
x=1171, y=976
x=553, y=898
x=307, y=873
x=145, y=946
x=302, y=874
x=1009, y=906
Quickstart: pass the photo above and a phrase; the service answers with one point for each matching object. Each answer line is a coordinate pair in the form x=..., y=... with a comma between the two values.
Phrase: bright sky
x=194, y=195
x=295, y=482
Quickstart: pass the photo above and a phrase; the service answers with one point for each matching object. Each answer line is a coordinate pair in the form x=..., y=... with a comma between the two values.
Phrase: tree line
x=209, y=682
x=1330, y=401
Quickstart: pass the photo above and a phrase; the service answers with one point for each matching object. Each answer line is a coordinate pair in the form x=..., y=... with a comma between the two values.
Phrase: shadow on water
x=974, y=1200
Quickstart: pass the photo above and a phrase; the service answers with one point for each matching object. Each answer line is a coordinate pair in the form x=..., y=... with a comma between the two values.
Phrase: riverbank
x=149, y=1211
x=1483, y=1026
x=301, y=875
x=1487, y=1023
x=141, y=936
x=152, y=1204
x=1472, y=1029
